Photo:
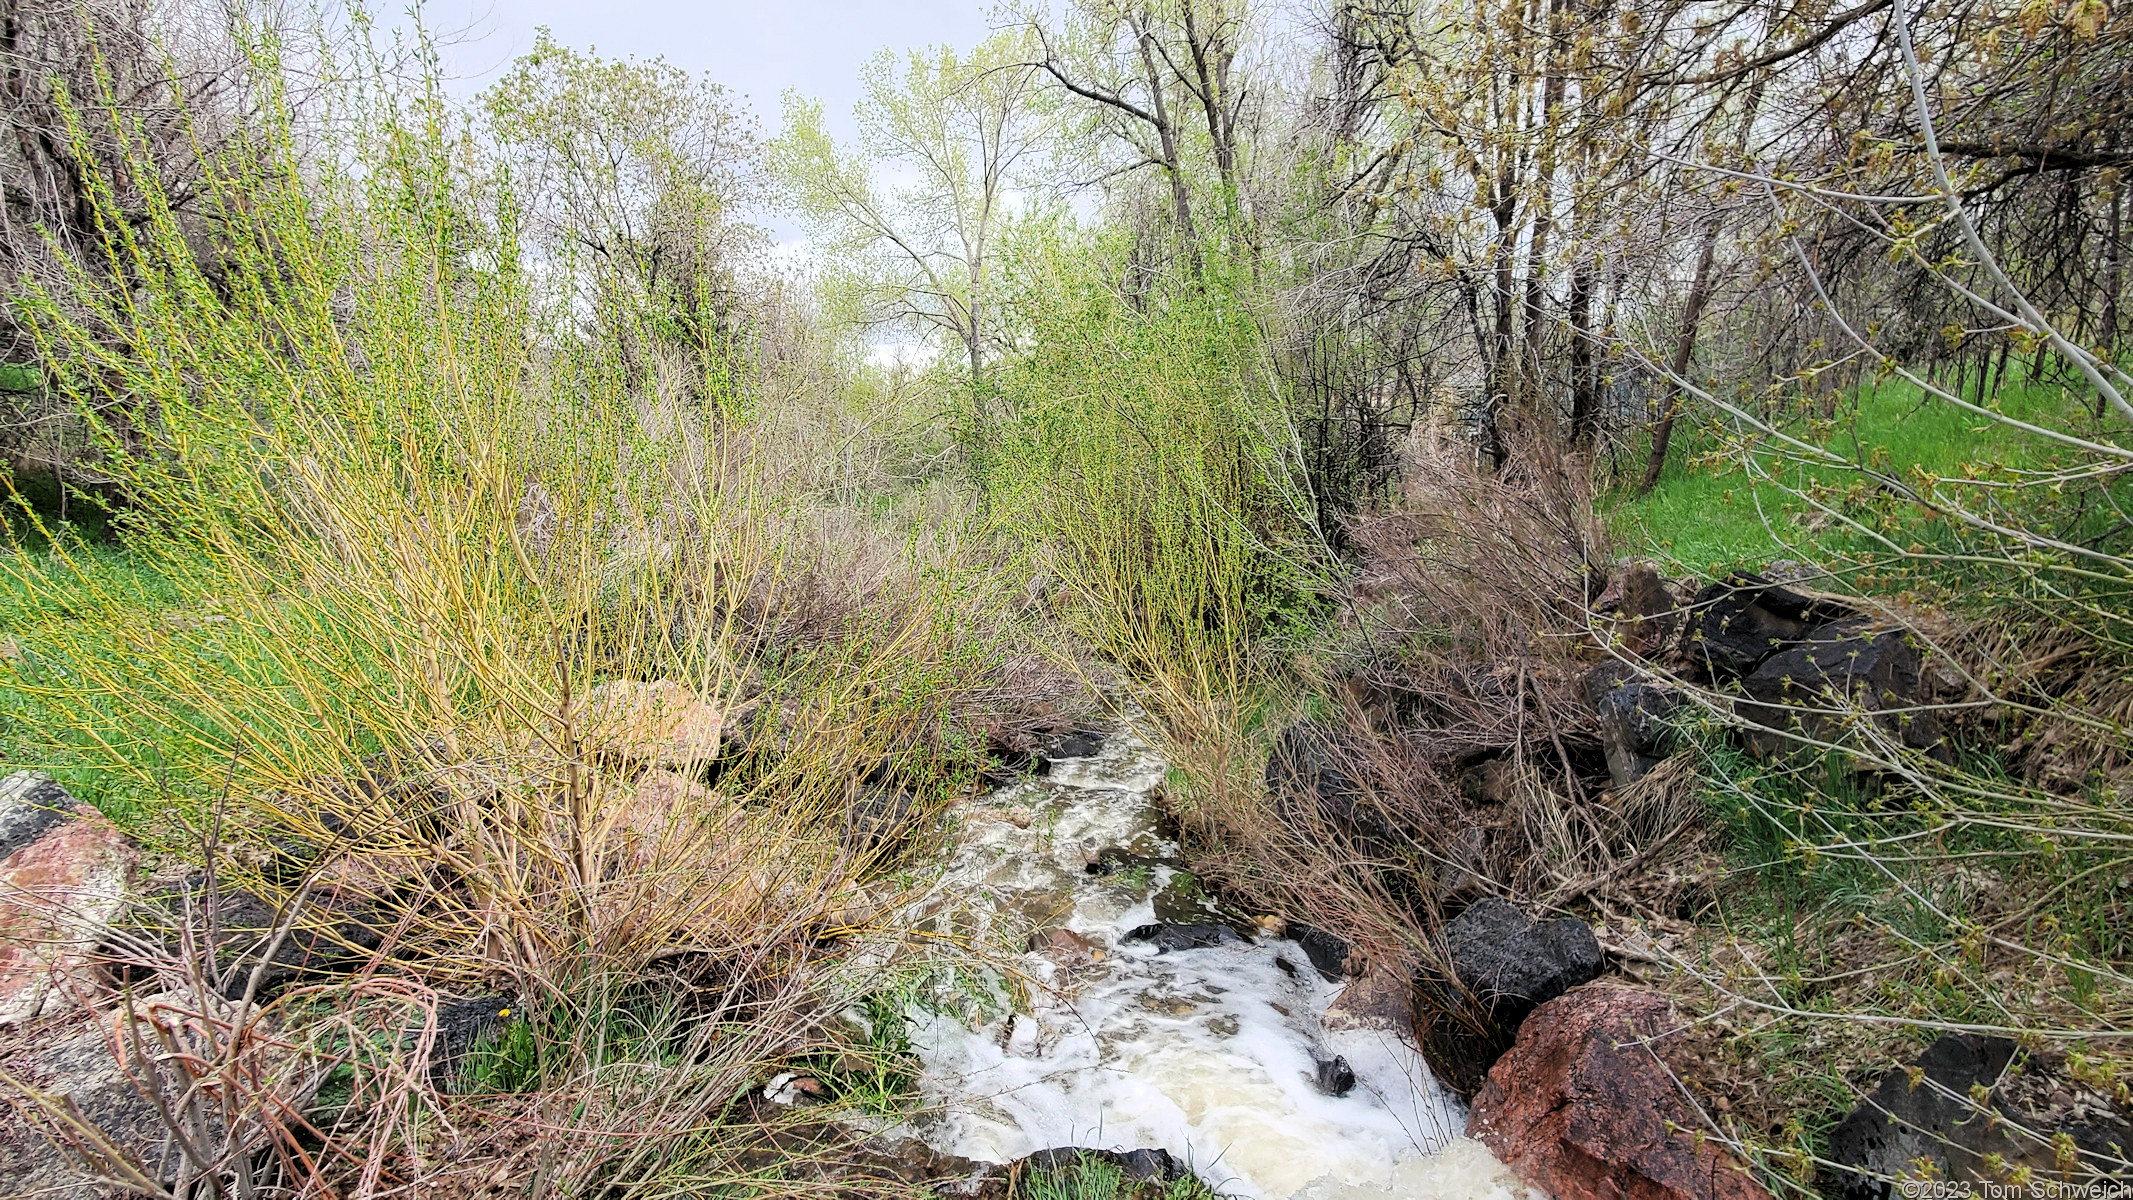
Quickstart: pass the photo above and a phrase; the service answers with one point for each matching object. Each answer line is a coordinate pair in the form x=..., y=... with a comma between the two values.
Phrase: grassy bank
x=1709, y=513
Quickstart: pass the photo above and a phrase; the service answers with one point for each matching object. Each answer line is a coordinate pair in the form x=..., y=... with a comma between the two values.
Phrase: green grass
x=94, y=575
x=1707, y=515
x=1091, y=1178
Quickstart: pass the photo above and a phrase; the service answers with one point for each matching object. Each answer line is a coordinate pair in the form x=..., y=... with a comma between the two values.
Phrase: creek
x=1203, y=1036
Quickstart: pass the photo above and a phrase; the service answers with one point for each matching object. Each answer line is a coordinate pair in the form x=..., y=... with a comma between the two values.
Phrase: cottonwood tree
x=1165, y=85
x=1471, y=178
x=911, y=220
x=635, y=176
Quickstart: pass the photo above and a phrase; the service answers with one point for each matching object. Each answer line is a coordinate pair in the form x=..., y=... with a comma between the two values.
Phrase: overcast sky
x=757, y=49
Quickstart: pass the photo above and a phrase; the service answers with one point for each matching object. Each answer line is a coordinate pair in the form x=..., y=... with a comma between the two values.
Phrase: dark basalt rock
x=1313, y=791
x=396, y=790
x=1328, y=952
x=1006, y=763
x=1635, y=715
x=1513, y=963
x=324, y=939
x=1074, y=743
x=877, y=816
x=1185, y=901
x=1936, y=1119
x=30, y=804
x=1846, y=665
x=1335, y=1077
x=1641, y=608
x=1902, y=1122
x=1138, y=1166
x=462, y=1024
x=1504, y=965
x=1774, y=592
x=1166, y=938
x=1738, y=622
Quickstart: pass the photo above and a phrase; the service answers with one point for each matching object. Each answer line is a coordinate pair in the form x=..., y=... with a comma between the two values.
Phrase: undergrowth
x=401, y=540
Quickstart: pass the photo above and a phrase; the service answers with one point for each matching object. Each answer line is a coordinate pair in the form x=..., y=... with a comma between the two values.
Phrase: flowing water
x=1096, y=1039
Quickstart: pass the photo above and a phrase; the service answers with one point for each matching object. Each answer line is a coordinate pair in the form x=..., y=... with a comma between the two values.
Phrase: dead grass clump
x=1488, y=562
x=945, y=605
x=1442, y=749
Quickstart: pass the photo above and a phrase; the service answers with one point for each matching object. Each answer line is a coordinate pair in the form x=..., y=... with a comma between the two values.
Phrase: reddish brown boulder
x=1583, y=1106
x=58, y=895
x=662, y=723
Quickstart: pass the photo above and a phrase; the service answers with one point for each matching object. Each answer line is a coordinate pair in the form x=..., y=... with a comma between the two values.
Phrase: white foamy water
x=1210, y=1053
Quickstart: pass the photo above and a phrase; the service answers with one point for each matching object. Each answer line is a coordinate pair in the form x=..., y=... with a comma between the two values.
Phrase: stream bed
x=1121, y=1011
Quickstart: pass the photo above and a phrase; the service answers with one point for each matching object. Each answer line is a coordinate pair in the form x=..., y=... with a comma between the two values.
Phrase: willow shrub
x=401, y=510
x=1147, y=451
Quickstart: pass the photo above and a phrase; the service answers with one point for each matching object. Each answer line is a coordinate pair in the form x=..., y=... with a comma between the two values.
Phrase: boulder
x=661, y=818
x=1512, y=963
x=1812, y=685
x=1008, y=760
x=1490, y=782
x=1925, y=1122
x=1166, y=938
x=1584, y=1107
x=1066, y=947
x=74, y=1062
x=1313, y=790
x=1333, y=1076
x=325, y=939
x=30, y=805
x=1138, y=1166
x=905, y=1160
x=767, y=733
x=878, y=816
x=461, y=1026
x=1074, y=743
x=1502, y=964
x=1636, y=718
x=60, y=889
x=661, y=724
x=1377, y=999
x=1328, y=952
x=1736, y=623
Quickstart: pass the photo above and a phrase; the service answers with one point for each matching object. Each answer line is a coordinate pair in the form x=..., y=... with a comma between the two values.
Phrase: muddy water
x=1095, y=1039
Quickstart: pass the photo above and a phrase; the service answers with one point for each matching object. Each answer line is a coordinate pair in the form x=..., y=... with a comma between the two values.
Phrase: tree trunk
x=1583, y=387
x=1692, y=317
x=2114, y=280
x=1544, y=212
x=1684, y=350
x=1166, y=135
